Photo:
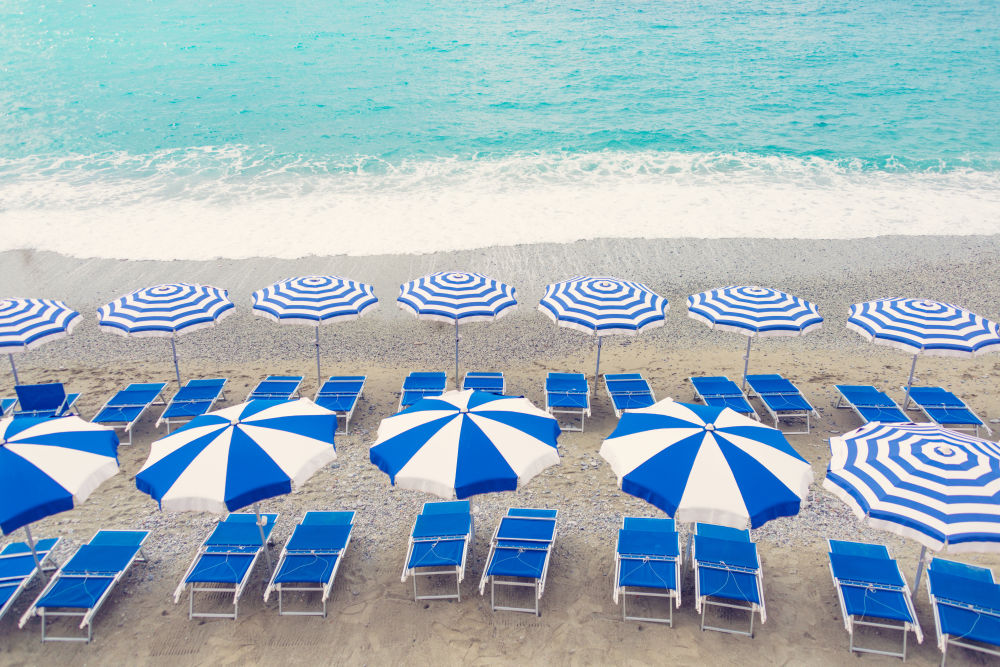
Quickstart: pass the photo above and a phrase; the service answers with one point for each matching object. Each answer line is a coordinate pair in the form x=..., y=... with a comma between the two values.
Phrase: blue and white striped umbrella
x=28, y=323
x=314, y=300
x=754, y=312
x=701, y=463
x=466, y=442
x=165, y=310
x=459, y=297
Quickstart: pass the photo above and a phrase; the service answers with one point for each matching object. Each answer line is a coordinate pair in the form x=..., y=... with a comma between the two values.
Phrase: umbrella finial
x=709, y=427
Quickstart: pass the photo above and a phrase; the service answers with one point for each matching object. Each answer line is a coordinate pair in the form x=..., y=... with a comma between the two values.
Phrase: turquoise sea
x=414, y=125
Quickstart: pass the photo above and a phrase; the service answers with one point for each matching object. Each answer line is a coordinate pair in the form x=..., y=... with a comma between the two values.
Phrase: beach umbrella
x=28, y=323
x=454, y=296
x=601, y=306
x=237, y=456
x=699, y=463
x=166, y=310
x=314, y=300
x=754, y=312
x=920, y=326
x=466, y=442
x=936, y=486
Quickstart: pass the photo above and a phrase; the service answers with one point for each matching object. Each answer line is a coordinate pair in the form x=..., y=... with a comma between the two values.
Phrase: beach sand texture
x=373, y=619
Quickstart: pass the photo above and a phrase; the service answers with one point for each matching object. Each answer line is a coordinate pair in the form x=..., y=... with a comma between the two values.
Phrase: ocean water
x=200, y=129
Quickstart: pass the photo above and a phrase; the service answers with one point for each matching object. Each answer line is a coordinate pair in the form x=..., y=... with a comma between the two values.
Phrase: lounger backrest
x=718, y=385
x=865, y=395
x=532, y=512
x=650, y=524
x=206, y=382
x=567, y=382
x=425, y=380
x=771, y=384
x=526, y=529
x=732, y=553
x=956, y=569
x=48, y=396
x=977, y=594
x=130, y=538
x=878, y=571
x=447, y=507
x=440, y=525
x=648, y=543
x=859, y=549
x=136, y=394
x=328, y=518
x=935, y=397
x=722, y=532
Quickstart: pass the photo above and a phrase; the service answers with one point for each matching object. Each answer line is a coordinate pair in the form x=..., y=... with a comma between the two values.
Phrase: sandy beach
x=373, y=618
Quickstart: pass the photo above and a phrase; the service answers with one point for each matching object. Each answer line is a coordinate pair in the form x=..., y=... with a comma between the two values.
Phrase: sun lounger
x=192, y=400
x=84, y=582
x=340, y=394
x=18, y=568
x=276, y=388
x=946, y=409
x=648, y=564
x=628, y=391
x=225, y=560
x=6, y=405
x=966, y=602
x=721, y=392
x=490, y=381
x=125, y=408
x=870, y=404
x=781, y=399
x=727, y=574
x=568, y=393
x=519, y=555
x=421, y=384
x=311, y=557
x=872, y=592
x=439, y=545
x=44, y=400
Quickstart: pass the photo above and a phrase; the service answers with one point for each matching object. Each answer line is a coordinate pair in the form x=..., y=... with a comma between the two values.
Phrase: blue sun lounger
x=781, y=399
x=721, y=392
x=519, y=556
x=310, y=558
x=125, y=408
x=966, y=602
x=628, y=391
x=276, y=388
x=727, y=574
x=194, y=399
x=872, y=592
x=489, y=381
x=6, y=405
x=18, y=569
x=44, y=400
x=870, y=404
x=224, y=561
x=648, y=564
x=340, y=394
x=439, y=545
x=421, y=384
x=84, y=582
x=569, y=394
x=946, y=409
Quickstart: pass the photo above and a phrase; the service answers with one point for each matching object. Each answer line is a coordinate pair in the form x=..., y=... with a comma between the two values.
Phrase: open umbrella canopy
x=28, y=323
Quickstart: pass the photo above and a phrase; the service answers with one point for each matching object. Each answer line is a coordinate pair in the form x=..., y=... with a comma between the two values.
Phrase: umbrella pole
x=173, y=348
x=746, y=362
x=920, y=570
x=909, y=382
x=458, y=385
x=597, y=371
x=13, y=368
x=319, y=375
x=34, y=552
x=263, y=541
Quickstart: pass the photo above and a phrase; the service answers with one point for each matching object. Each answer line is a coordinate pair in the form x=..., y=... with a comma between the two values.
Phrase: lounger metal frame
x=126, y=425
x=628, y=377
x=739, y=393
x=537, y=584
x=484, y=375
x=6, y=405
x=625, y=591
x=458, y=570
x=702, y=602
x=953, y=426
x=164, y=419
x=424, y=392
x=343, y=379
x=777, y=414
x=43, y=557
x=843, y=402
x=582, y=411
x=283, y=396
x=944, y=640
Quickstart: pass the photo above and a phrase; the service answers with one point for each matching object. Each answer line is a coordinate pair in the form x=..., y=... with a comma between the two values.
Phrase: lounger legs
x=704, y=609
x=533, y=585
x=458, y=585
x=651, y=619
x=44, y=614
x=871, y=624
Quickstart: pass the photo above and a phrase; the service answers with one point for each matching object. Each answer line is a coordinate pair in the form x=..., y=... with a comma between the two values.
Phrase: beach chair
x=870, y=404
x=192, y=400
x=872, y=592
x=946, y=409
x=721, y=392
x=648, y=564
x=781, y=399
x=439, y=545
x=84, y=582
x=966, y=602
x=44, y=400
x=568, y=393
x=276, y=388
x=18, y=569
x=421, y=384
x=6, y=405
x=224, y=561
x=519, y=555
x=340, y=394
x=727, y=574
x=310, y=559
x=628, y=391
x=125, y=408
x=489, y=381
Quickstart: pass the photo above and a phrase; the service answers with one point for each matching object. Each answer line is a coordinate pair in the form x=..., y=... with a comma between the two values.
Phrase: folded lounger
x=648, y=564
x=311, y=557
x=872, y=592
x=727, y=574
x=781, y=399
x=276, y=388
x=628, y=391
x=519, y=554
x=84, y=582
x=491, y=381
x=870, y=404
x=568, y=393
x=225, y=560
x=946, y=409
x=17, y=568
x=125, y=408
x=6, y=405
x=421, y=384
x=721, y=392
x=192, y=400
x=439, y=545
x=44, y=400
x=966, y=602
x=340, y=394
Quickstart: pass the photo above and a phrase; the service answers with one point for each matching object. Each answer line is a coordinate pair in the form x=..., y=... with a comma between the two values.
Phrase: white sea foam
x=234, y=202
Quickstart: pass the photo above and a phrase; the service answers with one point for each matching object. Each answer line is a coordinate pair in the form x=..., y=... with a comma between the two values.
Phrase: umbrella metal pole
x=34, y=552
x=263, y=541
x=597, y=370
x=920, y=570
x=319, y=375
x=746, y=362
x=173, y=348
x=13, y=368
x=458, y=385
x=909, y=382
